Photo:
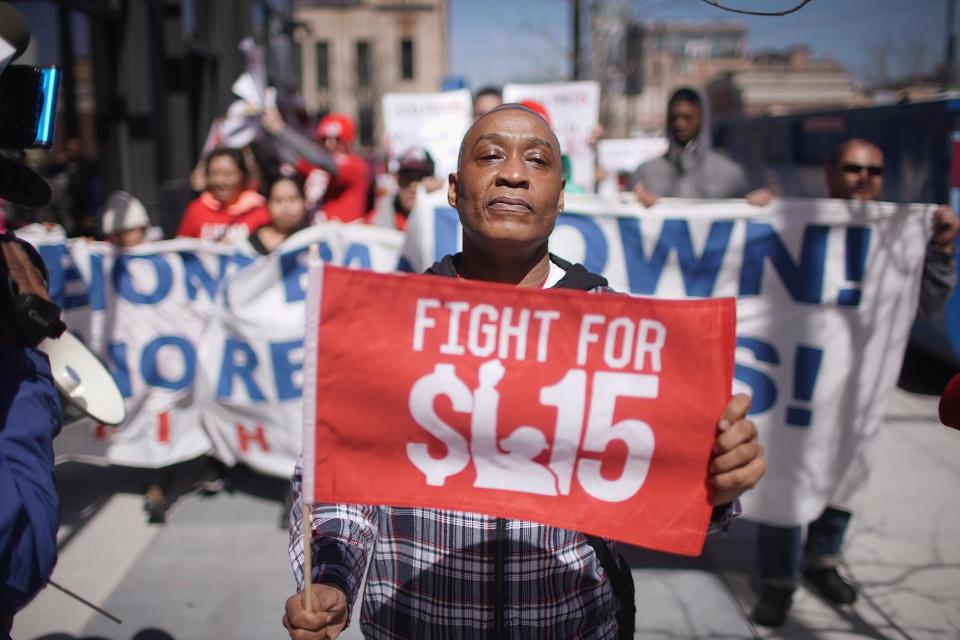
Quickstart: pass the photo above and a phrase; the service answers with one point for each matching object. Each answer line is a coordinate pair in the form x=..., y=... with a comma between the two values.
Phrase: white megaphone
x=87, y=390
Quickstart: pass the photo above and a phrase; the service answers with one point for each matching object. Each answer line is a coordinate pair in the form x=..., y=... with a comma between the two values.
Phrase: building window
x=406, y=59
x=323, y=65
x=363, y=64
x=365, y=124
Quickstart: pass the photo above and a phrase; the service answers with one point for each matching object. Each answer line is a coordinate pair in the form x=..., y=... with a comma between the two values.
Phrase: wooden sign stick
x=307, y=558
x=313, y=259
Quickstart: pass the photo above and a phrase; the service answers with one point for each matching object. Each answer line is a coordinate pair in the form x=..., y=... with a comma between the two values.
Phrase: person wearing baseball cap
x=341, y=195
x=414, y=167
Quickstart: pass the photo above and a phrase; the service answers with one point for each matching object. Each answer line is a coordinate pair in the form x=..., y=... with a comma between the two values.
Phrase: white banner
x=436, y=121
x=623, y=155
x=250, y=390
x=574, y=109
x=157, y=317
x=826, y=292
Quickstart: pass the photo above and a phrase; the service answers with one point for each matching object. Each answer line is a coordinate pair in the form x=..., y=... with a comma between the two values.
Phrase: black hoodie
x=577, y=276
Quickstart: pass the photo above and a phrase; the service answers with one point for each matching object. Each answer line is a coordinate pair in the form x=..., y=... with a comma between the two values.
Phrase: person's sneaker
x=211, y=486
x=831, y=585
x=155, y=504
x=772, y=607
x=210, y=481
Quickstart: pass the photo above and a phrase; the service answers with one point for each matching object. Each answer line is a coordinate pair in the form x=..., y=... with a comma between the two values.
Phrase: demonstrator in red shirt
x=343, y=195
x=227, y=211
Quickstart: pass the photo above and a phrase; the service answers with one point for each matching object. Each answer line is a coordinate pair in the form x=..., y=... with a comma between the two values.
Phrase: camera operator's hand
x=26, y=278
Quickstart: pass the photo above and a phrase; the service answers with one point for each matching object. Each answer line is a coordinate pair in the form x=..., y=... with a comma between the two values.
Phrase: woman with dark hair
x=288, y=214
x=228, y=210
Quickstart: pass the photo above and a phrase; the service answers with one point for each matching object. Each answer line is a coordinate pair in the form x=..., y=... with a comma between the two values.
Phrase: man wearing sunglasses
x=854, y=171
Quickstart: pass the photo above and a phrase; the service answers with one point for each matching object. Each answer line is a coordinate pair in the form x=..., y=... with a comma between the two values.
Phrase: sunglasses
x=872, y=170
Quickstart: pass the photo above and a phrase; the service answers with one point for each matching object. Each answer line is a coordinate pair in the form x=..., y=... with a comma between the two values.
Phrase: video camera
x=28, y=94
x=28, y=111
x=28, y=101
x=28, y=106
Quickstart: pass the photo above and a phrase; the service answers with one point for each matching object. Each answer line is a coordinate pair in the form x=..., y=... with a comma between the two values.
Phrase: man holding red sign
x=457, y=572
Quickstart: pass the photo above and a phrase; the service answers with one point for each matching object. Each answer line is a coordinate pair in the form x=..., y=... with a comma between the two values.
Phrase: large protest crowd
x=293, y=176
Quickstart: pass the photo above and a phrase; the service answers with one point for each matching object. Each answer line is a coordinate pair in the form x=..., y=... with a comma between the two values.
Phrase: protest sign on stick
x=595, y=413
x=618, y=156
x=436, y=121
x=574, y=109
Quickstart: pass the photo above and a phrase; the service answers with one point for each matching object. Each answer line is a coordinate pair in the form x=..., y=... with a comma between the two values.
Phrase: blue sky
x=495, y=41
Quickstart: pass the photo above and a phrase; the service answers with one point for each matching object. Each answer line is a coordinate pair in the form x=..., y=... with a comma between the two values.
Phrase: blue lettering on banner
x=62, y=275
x=699, y=272
x=148, y=363
x=293, y=268
x=857, y=249
x=123, y=282
x=806, y=366
x=594, y=242
x=446, y=227
x=117, y=352
x=242, y=260
x=239, y=361
x=804, y=281
x=357, y=255
x=194, y=274
x=97, y=290
x=285, y=368
x=763, y=388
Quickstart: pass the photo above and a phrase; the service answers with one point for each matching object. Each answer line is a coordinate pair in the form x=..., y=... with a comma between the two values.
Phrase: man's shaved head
x=505, y=107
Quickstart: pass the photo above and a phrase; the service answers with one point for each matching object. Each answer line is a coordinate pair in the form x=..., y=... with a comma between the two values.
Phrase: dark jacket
x=577, y=275
x=29, y=506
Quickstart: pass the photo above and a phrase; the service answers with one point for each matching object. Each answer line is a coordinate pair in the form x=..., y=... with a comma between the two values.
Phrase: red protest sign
x=589, y=412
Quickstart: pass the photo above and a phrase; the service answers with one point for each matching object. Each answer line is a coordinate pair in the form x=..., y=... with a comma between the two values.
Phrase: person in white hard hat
x=124, y=222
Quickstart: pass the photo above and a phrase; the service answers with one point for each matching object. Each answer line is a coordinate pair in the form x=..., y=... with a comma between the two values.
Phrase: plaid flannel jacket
x=433, y=573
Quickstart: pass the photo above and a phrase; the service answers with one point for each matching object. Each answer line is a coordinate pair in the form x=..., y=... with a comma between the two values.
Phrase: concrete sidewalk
x=219, y=568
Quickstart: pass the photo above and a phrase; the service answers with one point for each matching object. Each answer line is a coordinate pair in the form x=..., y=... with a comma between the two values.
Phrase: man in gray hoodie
x=691, y=168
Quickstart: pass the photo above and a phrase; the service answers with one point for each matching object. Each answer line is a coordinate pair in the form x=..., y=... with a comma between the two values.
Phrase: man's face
x=858, y=174
x=683, y=121
x=485, y=103
x=509, y=188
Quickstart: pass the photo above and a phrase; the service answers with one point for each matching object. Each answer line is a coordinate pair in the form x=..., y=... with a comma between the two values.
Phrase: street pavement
x=219, y=567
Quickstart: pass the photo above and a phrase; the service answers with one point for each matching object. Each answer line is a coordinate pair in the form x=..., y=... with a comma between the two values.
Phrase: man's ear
x=452, y=189
x=563, y=187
